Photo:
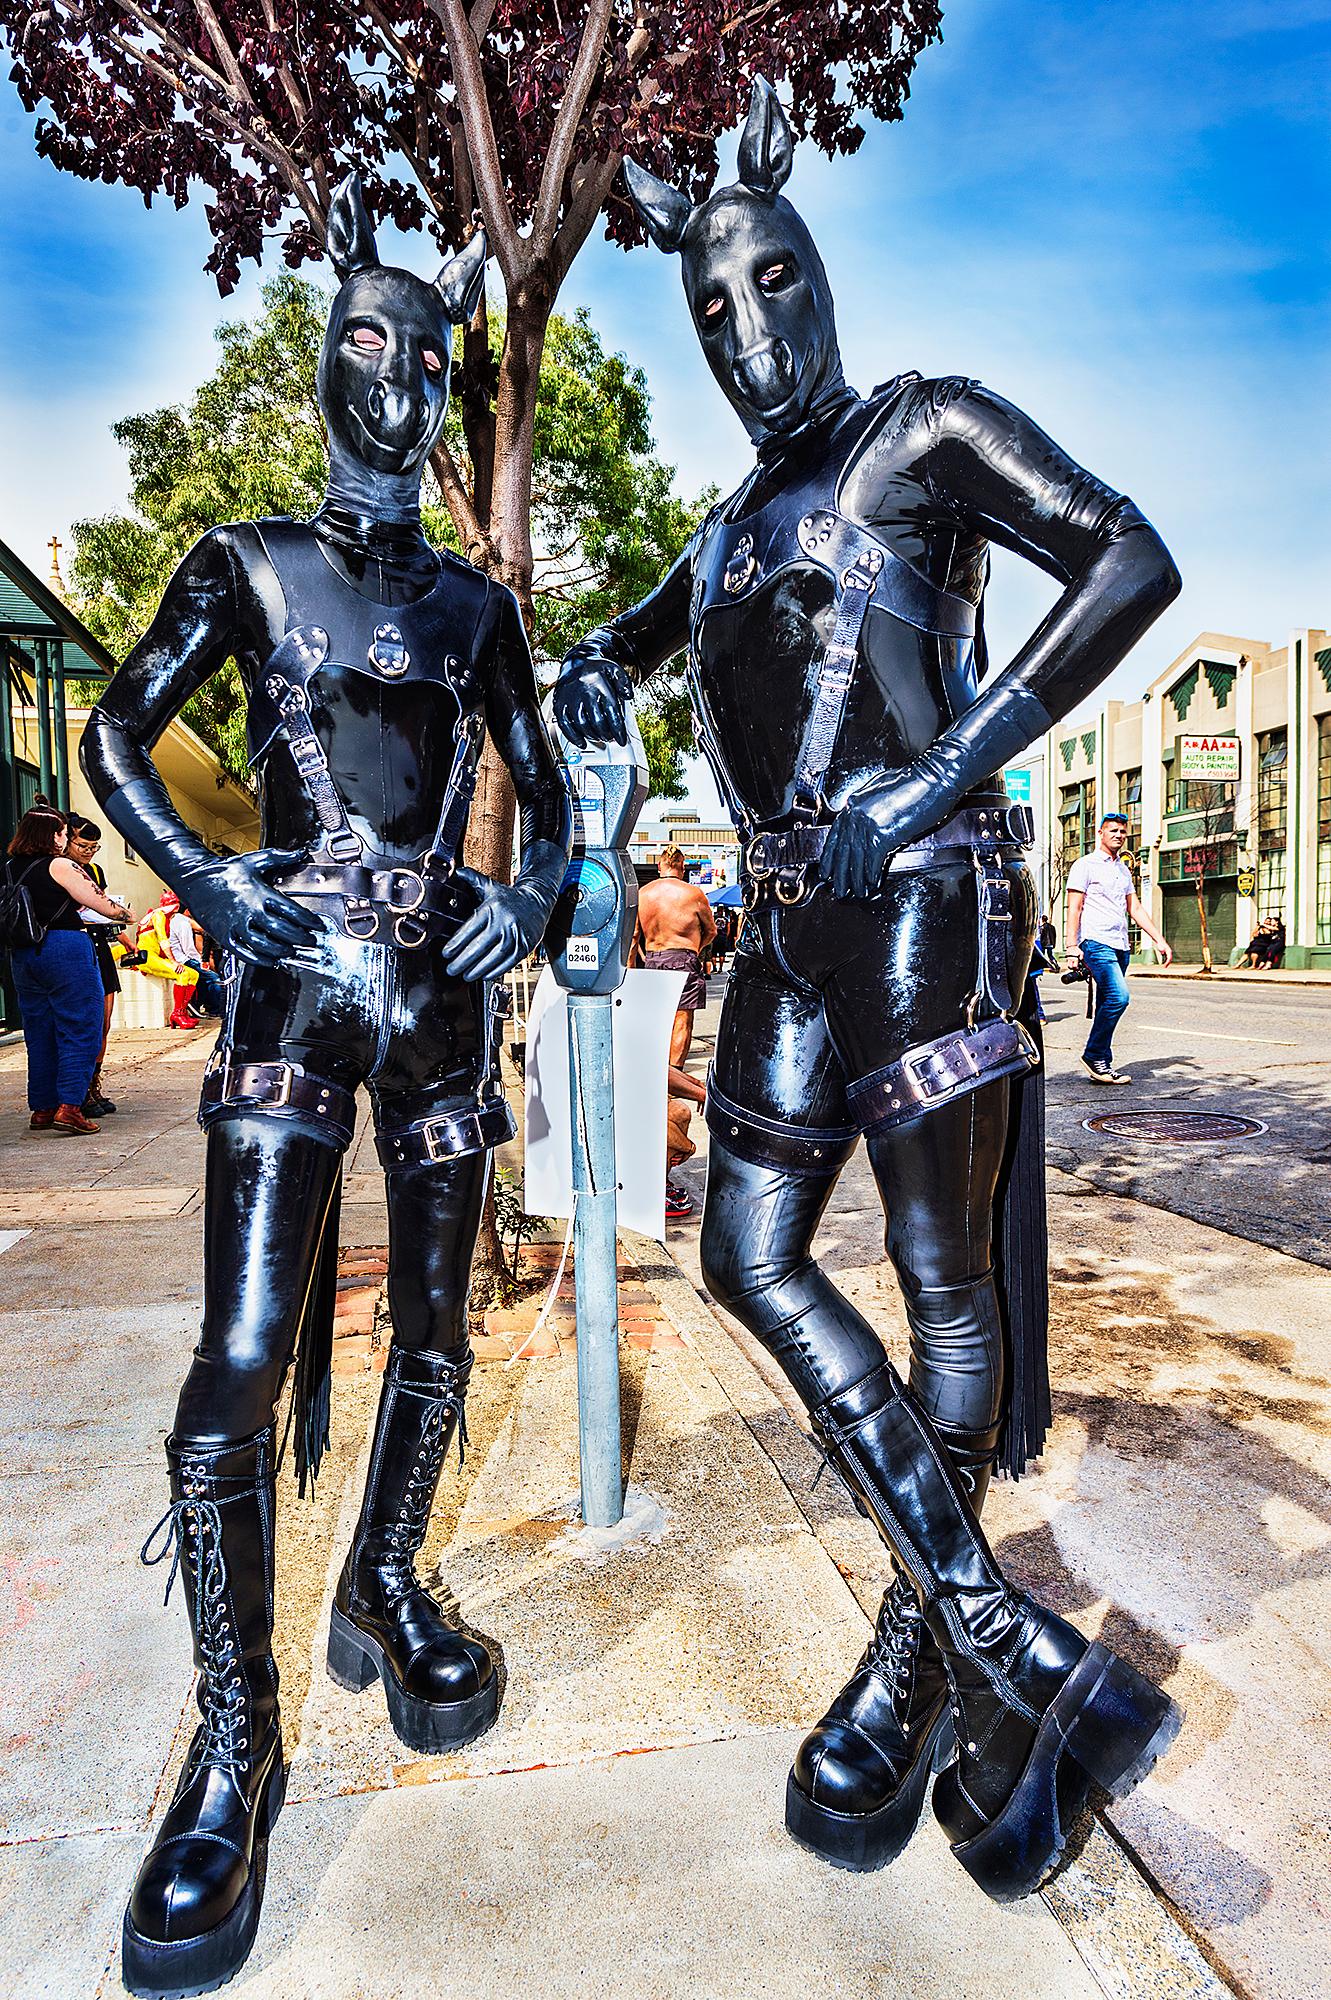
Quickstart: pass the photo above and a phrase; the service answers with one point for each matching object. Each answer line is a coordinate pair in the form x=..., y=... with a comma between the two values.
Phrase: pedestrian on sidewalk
x=1102, y=901
x=59, y=988
x=684, y=1091
x=675, y=927
x=85, y=837
x=162, y=962
x=185, y=943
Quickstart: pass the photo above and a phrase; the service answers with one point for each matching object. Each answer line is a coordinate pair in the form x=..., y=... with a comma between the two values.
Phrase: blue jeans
x=208, y=995
x=61, y=1000
x=1107, y=968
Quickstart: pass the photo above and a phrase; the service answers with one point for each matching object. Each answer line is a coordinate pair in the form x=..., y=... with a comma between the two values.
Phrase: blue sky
x=1117, y=213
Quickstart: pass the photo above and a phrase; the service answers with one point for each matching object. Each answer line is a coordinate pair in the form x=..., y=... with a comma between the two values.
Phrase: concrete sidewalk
x=621, y=1825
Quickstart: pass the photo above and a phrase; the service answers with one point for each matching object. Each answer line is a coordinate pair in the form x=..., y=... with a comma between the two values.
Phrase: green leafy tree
x=605, y=520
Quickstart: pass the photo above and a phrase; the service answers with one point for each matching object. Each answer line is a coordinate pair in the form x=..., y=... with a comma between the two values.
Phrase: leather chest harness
x=776, y=864
x=385, y=905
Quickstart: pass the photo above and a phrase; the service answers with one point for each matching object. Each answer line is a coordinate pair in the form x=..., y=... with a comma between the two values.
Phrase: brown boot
x=41, y=1121
x=69, y=1118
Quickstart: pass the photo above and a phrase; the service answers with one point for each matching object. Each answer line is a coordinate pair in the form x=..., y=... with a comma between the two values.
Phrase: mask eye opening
x=366, y=336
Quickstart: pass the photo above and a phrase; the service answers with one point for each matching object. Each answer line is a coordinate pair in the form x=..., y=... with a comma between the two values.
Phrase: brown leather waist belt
x=398, y=906
x=783, y=858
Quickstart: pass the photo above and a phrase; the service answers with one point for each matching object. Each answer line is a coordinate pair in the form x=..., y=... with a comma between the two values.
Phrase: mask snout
x=765, y=374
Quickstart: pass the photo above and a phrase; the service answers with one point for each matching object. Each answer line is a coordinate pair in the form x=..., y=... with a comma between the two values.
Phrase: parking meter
x=591, y=927
x=588, y=941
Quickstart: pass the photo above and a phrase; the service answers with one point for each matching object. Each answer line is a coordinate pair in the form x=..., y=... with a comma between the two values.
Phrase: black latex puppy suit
x=360, y=954
x=831, y=611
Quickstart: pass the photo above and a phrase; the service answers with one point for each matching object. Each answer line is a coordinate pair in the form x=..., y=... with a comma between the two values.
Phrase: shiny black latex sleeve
x=602, y=670
x=191, y=636
x=512, y=918
x=1002, y=478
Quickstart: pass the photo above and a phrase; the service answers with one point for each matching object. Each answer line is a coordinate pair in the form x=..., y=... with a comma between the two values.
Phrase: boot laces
x=892, y=1651
x=404, y=1536
x=191, y=1530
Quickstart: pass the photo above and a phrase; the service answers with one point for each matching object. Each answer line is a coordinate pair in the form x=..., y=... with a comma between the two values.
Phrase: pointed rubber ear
x=462, y=279
x=664, y=210
x=765, y=147
x=350, y=232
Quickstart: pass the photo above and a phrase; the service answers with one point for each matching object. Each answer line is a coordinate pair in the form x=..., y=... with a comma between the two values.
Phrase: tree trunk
x=506, y=478
x=1201, y=914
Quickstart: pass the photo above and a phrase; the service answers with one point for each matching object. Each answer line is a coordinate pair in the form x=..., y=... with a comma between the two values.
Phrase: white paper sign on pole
x=644, y=1013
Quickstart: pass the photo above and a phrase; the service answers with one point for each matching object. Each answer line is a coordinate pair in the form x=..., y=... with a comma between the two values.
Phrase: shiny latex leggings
x=269, y=1184
x=936, y=1182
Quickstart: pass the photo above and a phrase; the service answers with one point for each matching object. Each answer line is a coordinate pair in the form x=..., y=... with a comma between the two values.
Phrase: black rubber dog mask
x=384, y=368
x=754, y=280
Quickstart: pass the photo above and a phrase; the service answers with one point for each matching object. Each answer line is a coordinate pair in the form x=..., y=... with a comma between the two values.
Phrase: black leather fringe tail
x=1021, y=1258
x=312, y=1400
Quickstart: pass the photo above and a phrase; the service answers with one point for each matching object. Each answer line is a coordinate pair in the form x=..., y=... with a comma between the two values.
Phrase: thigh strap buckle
x=276, y=1086
x=935, y=1072
x=449, y=1135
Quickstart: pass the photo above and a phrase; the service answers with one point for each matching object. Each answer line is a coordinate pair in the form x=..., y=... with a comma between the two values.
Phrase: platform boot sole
x=1115, y=1726
x=355, y=1658
x=175, y=1971
x=865, y=1841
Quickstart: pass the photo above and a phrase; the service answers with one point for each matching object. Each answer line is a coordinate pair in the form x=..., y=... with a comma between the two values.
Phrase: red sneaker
x=678, y=1202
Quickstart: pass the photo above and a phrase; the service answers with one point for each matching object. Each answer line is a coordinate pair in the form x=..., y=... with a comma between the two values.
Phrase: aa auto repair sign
x=1214, y=757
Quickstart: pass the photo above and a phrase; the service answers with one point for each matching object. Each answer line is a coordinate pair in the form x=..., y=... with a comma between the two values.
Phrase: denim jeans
x=1107, y=968
x=61, y=1000
x=208, y=995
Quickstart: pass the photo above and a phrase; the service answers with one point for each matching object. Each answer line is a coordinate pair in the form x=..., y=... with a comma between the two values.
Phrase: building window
x=1130, y=802
x=1272, y=821
x=1076, y=822
x=1211, y=797
x=1324, y=830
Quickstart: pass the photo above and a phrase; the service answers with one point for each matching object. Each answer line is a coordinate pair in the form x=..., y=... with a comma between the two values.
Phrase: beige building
x=1224, y=770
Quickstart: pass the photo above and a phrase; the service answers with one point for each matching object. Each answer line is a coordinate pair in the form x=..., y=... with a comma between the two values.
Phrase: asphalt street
x=1258, y=1052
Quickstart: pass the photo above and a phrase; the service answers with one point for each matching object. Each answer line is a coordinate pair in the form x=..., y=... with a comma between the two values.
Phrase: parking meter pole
x=588, y=942
x=590, y=1048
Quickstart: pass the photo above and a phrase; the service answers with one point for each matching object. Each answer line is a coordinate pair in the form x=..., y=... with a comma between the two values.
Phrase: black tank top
x=54, y=907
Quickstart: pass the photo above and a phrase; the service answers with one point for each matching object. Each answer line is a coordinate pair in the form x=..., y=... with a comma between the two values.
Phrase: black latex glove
x=589, y=698
x=235, y=905
x=874, y=825
x=507, y=927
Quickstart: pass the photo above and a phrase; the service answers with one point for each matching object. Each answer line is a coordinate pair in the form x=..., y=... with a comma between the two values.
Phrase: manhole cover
x=1174, y=1128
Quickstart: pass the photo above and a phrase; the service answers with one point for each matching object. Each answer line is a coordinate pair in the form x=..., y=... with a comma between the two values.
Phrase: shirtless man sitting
x=675, y=923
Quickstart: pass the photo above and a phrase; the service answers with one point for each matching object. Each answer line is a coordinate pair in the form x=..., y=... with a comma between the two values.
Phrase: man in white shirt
x=183, y=945
x=1102, y=902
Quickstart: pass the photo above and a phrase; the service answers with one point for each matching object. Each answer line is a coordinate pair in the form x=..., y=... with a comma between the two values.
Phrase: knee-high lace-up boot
x=195, y=1908
x=856, y=1788
x=440, y=1684
x=1038, y=1711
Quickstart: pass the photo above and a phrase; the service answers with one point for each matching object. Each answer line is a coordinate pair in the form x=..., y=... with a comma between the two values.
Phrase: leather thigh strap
x=769, y=1142
x=936, y=1072
x=449, y=1135
x=279, y=1087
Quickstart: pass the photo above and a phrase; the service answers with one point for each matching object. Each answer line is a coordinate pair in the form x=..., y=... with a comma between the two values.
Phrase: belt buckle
x=359, y=911
x=433, y=1131
x=919, y=1067
x=288, y=1078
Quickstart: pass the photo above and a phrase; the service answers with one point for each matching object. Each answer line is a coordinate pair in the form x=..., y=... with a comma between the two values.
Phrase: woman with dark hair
x=85, y=837
x=57, y=982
